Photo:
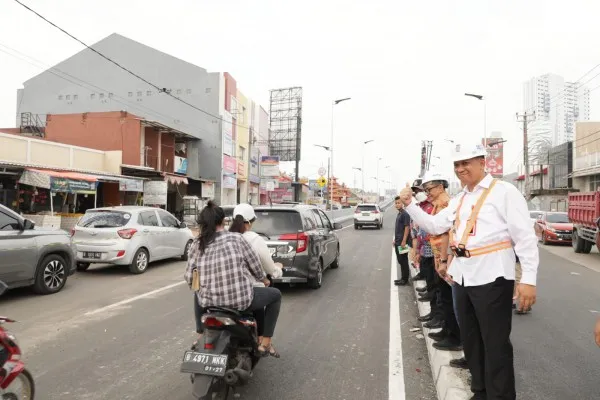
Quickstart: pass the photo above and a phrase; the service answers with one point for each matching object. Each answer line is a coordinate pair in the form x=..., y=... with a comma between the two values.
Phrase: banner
x=181, y=165
x=71, y=186
x=494, y=161
x=227, y=133
x=269, y=166
x=131, y=185
x=155, y=193
x=229, y=182
x=208, y=190
x=229, y=164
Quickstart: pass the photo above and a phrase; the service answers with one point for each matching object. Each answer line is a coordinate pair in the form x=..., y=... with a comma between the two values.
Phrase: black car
x=302, y=238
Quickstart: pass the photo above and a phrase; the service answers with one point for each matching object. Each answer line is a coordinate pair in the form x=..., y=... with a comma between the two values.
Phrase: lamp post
x=378, y=194
x=358, y=169
x=333, y=103
x=365, y=143
x=327, y=148
x=480, y=97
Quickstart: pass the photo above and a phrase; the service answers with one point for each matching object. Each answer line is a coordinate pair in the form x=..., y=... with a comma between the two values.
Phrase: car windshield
x=104, y=219
x=276, y=222
x=557, y=218
x=363, y=207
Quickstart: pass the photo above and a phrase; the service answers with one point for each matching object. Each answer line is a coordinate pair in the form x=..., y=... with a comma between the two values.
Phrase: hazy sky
x=405, y=64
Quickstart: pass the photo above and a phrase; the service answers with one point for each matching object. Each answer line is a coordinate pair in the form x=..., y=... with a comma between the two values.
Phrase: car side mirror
x=182, y=225
x=337, y=226
x=28, y=224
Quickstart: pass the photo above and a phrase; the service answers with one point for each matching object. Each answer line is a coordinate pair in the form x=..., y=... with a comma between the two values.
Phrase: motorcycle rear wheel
x=22, y=388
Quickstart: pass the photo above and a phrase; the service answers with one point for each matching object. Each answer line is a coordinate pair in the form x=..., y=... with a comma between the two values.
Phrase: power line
x=160, y=90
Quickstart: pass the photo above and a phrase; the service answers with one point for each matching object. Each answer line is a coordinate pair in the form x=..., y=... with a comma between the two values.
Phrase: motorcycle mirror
x=3, y=287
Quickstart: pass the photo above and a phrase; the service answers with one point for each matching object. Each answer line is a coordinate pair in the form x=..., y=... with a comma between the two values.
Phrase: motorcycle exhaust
x=236, y=376
x=242, y=374
x=231, y=378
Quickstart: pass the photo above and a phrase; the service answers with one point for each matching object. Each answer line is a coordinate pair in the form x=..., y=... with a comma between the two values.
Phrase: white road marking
x=132, y=299
x=396, y=387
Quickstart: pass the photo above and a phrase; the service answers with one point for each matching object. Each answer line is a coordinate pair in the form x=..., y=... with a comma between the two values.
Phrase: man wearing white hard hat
x=488, y=223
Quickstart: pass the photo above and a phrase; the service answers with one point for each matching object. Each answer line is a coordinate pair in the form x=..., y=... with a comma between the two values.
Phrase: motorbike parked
x=16, y=382
x=226, y=355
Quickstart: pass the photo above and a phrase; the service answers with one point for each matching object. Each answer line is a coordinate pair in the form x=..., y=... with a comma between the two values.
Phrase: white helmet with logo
x=463, y=152
x=431, y=176
x=246, y=211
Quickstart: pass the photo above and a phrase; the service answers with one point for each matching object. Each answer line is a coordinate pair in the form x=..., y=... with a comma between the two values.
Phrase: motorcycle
x=226, y=355
x=16, y=382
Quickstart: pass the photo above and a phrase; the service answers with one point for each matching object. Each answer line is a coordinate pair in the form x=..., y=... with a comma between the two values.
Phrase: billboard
x=269, y=166
x=494, y=161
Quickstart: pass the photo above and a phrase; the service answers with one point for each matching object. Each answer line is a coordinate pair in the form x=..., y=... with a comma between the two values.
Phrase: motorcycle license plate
x=204, y=363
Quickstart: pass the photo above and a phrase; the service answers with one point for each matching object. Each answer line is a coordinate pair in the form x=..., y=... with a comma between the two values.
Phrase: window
x=241, y=152
x=318, y=219
x=277, y=222
x=93, y=96
x=68, y=97
x=60, y=96
x=8, y=223
x=326, y=221
x=104, y=219
x=130, y=94
x=139, y=94
x=75, y=97
x=310, y=220
x=168, y=220
x=188, y=91
x=149, y=93
x=101, y=95
x=148, y=218
x=558, y=218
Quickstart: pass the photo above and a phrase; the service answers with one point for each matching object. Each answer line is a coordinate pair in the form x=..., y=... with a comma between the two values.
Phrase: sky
x=405, y=65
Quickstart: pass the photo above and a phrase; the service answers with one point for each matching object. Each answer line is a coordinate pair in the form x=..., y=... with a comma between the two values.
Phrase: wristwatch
x=443, y=261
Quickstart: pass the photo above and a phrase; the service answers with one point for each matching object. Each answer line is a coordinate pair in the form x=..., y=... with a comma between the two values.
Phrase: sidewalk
x=451, y=383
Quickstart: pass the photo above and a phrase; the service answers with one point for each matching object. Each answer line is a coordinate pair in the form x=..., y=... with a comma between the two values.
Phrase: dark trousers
x=447, y=309
x=432, y=280
x=403, y=272
x=485, y=315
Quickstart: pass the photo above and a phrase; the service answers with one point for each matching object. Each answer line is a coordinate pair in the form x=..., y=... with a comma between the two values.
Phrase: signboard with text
x=72, y=186
x=155, y=193
x=269, y=166
x=227, y=133
x=494, y=160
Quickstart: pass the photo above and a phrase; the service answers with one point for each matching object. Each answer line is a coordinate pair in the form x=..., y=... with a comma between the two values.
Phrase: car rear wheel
x=51, y=275
x=315, y=283
x=82, y=266
x=139, y=264
x=184, y=257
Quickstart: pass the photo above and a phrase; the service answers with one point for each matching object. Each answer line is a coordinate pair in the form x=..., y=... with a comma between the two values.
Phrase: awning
x=175, y=179
x=126, y=183
x=59, y=181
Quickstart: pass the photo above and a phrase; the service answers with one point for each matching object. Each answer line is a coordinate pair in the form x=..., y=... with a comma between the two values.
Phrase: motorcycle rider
x=227, y=267
x=243, y=218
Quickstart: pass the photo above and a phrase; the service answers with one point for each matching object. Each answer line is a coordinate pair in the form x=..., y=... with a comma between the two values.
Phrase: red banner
x=494, y=160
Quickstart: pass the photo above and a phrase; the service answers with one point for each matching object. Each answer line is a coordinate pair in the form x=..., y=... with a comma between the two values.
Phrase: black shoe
x=459, y=363
x=448, y=344
x=435, y=323
x=514, y=306
x=425, y=318
x=437, y=336
x=426, y=298
x=400, y=282
x=421, y=289
x=418, y=277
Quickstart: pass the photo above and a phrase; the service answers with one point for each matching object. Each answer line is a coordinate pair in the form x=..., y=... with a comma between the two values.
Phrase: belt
x=460, y=251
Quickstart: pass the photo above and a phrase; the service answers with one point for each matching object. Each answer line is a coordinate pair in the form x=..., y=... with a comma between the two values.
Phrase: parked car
x=368, y=215
x=33, y=256
x=129, y=235
x=534, y=216
x=554, y=227
x=302, y=238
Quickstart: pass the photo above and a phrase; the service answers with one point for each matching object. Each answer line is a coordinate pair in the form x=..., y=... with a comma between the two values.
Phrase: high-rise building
x=557, y=104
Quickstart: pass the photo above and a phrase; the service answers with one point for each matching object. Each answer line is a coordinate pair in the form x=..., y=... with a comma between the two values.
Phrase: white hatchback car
x=368, y=215
x=129, y=235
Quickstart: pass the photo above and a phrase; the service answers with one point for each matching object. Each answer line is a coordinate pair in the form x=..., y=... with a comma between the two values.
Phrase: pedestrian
x=400, y=241
x=489, y=223
x=415, y=253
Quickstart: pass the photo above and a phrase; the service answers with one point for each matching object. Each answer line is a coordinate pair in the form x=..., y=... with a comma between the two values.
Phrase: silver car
x=129, y=235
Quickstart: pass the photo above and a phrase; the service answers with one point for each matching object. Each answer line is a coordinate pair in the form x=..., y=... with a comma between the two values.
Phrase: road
x=112, y=335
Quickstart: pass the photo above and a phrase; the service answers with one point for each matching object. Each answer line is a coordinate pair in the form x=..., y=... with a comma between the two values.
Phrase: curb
x=450, y=383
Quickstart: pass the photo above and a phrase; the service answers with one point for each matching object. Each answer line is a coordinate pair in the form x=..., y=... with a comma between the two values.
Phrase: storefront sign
x=181, y=165
x=71, y=186
x=229, y=182
x=229, y=164
x=241, y=169
x=269, y=166
x=208, y=190
x=227, y=133
x=131, y=185
x=254, y=178
x=155, y=193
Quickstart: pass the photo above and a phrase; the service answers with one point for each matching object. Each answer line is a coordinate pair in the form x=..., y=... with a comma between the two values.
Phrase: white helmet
x=246, y=211
x=431, y=176
x=463, y=152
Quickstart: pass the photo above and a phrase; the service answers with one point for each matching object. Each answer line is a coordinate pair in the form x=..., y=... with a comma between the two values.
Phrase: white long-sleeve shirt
x=259, y=245
x=503, y=216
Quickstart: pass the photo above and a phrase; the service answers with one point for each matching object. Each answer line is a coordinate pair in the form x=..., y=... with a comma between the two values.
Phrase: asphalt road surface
x=113, y=335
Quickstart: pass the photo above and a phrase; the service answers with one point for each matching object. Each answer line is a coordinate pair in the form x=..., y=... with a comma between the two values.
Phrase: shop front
x=229, y=184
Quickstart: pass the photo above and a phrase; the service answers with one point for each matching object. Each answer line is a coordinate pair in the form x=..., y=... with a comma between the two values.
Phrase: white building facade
x=557, y=104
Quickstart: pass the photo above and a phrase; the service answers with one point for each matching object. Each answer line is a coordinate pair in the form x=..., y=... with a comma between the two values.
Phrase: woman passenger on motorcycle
x=243, y=218
x=227, y=268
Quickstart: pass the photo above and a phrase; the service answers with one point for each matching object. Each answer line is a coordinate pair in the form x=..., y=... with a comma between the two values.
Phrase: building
x=557, y=104
x=199, y=105
x=586, y=156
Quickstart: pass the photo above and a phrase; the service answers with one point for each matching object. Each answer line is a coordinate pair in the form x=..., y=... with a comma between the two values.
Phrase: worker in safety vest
x=488, y=223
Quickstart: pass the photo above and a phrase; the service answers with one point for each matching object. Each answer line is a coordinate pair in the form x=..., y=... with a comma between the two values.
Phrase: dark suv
x=302, y=238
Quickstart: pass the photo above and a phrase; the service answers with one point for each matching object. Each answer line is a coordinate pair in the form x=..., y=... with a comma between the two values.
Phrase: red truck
x=584, y=213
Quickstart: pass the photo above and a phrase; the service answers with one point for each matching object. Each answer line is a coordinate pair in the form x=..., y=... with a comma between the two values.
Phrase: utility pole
x=526, y=118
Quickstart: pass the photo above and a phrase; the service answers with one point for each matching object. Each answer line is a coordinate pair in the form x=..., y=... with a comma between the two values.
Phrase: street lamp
x=378, y=194
x=327, y=148
x=333, y=103
x=480, y=97
x=358, y=169
x=365, y=143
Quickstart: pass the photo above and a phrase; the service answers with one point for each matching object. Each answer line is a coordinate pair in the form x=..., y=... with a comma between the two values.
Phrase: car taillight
x=127, y=233
x=375, y=212
x=301, y=239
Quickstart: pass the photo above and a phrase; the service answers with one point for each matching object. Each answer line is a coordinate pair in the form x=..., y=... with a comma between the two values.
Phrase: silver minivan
x=129, y=235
